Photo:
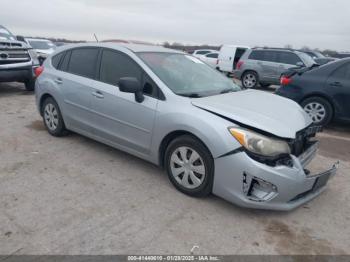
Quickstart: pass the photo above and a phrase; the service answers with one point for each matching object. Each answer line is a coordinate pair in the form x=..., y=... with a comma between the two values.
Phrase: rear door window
x=288, y=58
x=257, y=55
x=83, y=62
x=271, y=56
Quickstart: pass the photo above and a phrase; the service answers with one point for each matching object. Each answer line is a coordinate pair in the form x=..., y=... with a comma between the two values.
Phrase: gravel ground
x=72, y=195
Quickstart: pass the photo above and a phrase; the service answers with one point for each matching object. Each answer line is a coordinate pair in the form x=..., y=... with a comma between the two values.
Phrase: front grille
x=10, y=56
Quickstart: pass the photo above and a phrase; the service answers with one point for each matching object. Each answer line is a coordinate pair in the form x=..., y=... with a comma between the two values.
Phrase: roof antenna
x=96, y=37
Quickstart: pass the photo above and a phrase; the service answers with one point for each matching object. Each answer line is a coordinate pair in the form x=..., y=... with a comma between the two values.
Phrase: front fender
x=209, y=128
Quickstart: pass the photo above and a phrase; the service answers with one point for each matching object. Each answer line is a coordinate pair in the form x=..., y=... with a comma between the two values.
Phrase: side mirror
x=21, y=38
x=131, y=85
x=300, y=64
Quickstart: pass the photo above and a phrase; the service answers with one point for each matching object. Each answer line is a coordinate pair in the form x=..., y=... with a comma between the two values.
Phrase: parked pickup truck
x=18, y=61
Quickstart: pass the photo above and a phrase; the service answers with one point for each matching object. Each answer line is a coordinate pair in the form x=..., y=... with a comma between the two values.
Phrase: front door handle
x=58, y=80
x=336, y=84
x=98, y=94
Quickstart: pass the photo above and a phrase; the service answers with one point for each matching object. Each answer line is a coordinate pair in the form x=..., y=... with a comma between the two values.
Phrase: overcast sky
x=314, y=23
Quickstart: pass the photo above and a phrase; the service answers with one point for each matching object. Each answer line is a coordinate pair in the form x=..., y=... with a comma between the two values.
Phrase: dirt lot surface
x=72, y=195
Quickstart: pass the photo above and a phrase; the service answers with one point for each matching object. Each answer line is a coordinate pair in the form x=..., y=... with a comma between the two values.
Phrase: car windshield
x=315, y=54
x=188, y=76
x=43, y=45
x=308, y=61
x=6, y=35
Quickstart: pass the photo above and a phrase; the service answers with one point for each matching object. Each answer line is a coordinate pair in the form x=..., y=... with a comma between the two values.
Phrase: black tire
x=205, y=188
x=59, y=129
x=328, y=109
x=264, y=85
x=29, y=85
x=254, y=78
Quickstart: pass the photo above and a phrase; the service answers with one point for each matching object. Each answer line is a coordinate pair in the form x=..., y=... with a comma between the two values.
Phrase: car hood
x=261, y=110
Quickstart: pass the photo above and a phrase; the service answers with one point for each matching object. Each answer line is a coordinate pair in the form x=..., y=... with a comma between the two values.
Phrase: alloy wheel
x=249, y=80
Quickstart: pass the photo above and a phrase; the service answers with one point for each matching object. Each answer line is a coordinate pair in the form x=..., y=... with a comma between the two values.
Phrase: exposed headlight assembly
x=259, y=144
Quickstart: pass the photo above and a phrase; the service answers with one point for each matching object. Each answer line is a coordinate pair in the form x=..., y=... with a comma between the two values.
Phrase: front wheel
x=319, y=109
x=190, y=166
x=250, y=80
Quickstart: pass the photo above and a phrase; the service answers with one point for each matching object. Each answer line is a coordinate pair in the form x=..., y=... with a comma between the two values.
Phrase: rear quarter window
x=55, y=61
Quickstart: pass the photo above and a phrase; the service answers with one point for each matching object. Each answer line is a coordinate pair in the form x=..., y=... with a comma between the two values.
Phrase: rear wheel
x=319, y=109
x=29, y=84
x=190, y=166
x=53, y=118
x=250, y=80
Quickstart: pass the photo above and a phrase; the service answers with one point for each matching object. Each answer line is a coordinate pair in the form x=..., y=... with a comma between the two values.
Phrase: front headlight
x=34, y=56
x=259, y=144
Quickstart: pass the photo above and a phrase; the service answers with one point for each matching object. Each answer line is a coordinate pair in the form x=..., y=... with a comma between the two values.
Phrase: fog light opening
x=259, y=190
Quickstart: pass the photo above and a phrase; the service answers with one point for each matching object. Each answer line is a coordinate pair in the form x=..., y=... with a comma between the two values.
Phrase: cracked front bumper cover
x=291, y=186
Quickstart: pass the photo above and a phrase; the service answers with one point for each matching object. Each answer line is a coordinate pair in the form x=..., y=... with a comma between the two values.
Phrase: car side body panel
x=140, y=128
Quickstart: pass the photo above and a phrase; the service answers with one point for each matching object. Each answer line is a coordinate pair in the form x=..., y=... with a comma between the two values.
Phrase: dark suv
x=17, y=60
x=265, y=66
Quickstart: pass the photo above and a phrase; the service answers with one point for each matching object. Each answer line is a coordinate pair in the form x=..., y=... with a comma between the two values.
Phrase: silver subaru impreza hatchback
x=251, y=148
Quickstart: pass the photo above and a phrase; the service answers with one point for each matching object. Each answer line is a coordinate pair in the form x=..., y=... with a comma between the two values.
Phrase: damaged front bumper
x=249, y=183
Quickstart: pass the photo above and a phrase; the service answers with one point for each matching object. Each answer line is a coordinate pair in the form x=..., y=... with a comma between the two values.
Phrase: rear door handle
x=98, y=94
x=336, y=84
x=58, y=80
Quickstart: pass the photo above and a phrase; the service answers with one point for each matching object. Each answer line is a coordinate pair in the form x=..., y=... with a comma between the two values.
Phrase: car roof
x=136, y=48
x=278, y=50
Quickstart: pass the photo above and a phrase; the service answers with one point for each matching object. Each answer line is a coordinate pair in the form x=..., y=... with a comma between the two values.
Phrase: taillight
x=285, y=80
x=217, y=61
x=239, y=64
x=38, y=71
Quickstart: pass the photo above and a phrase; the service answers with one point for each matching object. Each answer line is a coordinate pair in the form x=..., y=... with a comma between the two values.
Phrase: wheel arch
x=41, y=101
x=320, y=95
x=249, y=70
x=323, y=96
x=169, y=138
